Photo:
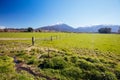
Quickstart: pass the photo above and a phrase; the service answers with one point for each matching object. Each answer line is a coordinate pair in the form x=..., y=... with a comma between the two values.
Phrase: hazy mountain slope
x=96, y=27
x=58, y=27
x=67, y=28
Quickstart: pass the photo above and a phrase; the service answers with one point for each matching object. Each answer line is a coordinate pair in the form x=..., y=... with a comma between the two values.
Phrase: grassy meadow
x=68, y=56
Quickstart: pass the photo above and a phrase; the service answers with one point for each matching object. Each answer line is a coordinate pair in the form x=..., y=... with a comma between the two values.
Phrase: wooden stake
x=33, y=41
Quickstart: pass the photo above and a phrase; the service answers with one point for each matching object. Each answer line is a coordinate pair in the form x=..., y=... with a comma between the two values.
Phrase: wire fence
x=21, y=43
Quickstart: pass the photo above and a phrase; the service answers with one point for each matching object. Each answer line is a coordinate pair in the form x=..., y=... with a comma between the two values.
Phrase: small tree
x=104, y=30
x=5, y=30
x=30, y=29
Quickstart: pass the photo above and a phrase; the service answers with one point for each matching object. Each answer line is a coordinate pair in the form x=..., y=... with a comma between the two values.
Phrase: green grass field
x=69, y=56
x=102, y=42
x=27, y=35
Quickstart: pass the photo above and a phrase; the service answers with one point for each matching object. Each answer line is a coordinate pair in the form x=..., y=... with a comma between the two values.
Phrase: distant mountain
x=67, y=28
x=95, y=28
x=58, y=27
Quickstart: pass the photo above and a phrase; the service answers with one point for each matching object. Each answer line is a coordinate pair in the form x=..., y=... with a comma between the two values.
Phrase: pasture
x=70, y=41
x=68, y=56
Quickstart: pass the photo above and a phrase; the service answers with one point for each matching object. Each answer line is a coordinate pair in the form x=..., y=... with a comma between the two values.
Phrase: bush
x=73, y=73
x=92, y=60
x=66, y=58
x=93, y=75
x=100, y=67
x=20, y=54
x=110, y=76
x=85, y=65
x=44, y=55
x=6, y=64
x=23, y=75
x=97, y=75
x=54, y=63
x=7, y=70
x=117, y=72
x=74, y=59
x=31, y=61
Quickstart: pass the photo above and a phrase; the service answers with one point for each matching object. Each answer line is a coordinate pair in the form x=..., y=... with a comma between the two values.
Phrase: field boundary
x=34, y=39
x=15, y=38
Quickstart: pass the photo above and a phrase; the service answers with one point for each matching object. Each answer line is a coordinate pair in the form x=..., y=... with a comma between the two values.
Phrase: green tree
x=104, y=30
x=5, y=30
x=30, y=29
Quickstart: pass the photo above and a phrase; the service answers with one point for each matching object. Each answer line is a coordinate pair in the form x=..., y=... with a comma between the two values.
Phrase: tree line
x=106, y=30
x=29, y=29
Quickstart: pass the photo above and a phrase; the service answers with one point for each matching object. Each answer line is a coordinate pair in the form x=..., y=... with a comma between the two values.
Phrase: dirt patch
x=22, y=66
x=44, y=49
x=15, y=38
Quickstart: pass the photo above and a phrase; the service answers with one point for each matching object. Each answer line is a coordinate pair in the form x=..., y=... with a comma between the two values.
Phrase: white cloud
x=2, y=27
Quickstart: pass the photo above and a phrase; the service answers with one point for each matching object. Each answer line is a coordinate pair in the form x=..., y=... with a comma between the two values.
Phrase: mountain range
x=67, y=28
x=58, y=27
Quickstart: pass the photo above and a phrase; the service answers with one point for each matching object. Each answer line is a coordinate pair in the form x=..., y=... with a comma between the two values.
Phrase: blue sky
x=37, y=13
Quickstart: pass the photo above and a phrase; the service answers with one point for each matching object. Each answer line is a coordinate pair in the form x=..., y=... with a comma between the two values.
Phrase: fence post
x=33, y=41
x=51, y=38
x=48, y=53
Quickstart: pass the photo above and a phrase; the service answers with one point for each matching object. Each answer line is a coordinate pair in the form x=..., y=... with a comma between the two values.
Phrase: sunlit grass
x=70, y=56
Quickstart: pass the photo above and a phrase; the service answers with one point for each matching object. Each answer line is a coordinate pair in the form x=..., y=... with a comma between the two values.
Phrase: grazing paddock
x=60, y=56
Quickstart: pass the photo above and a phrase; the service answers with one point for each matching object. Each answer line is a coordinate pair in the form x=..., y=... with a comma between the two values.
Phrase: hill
x=67, y=28
x=58, y=27
x=95, y=28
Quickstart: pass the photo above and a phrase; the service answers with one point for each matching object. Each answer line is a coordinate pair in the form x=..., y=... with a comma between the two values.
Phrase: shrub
x=7, y=69
x=23, y=76
x=100, y=67
x=93, y=60
x=20, y=54
x=66, y=58
x=85, y=65
x=74, y=59
x=45, y=64
x=44, y=55
x=117, y=72
x=54, y=63
x=31, y=61
x=72, y=73
x=93, y=75
x=6, y=64
x=97, y=75
x=110, y=76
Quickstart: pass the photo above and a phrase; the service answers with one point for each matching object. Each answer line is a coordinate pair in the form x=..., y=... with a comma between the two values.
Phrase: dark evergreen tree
x=104, y=30
x=30, y=29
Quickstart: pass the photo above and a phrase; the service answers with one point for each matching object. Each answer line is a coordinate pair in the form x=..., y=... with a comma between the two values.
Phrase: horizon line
x=3, y=27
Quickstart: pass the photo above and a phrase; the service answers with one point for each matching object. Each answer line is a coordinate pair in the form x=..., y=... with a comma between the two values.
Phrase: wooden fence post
x=33, y=41
x=48, y=53
x=51, y=38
